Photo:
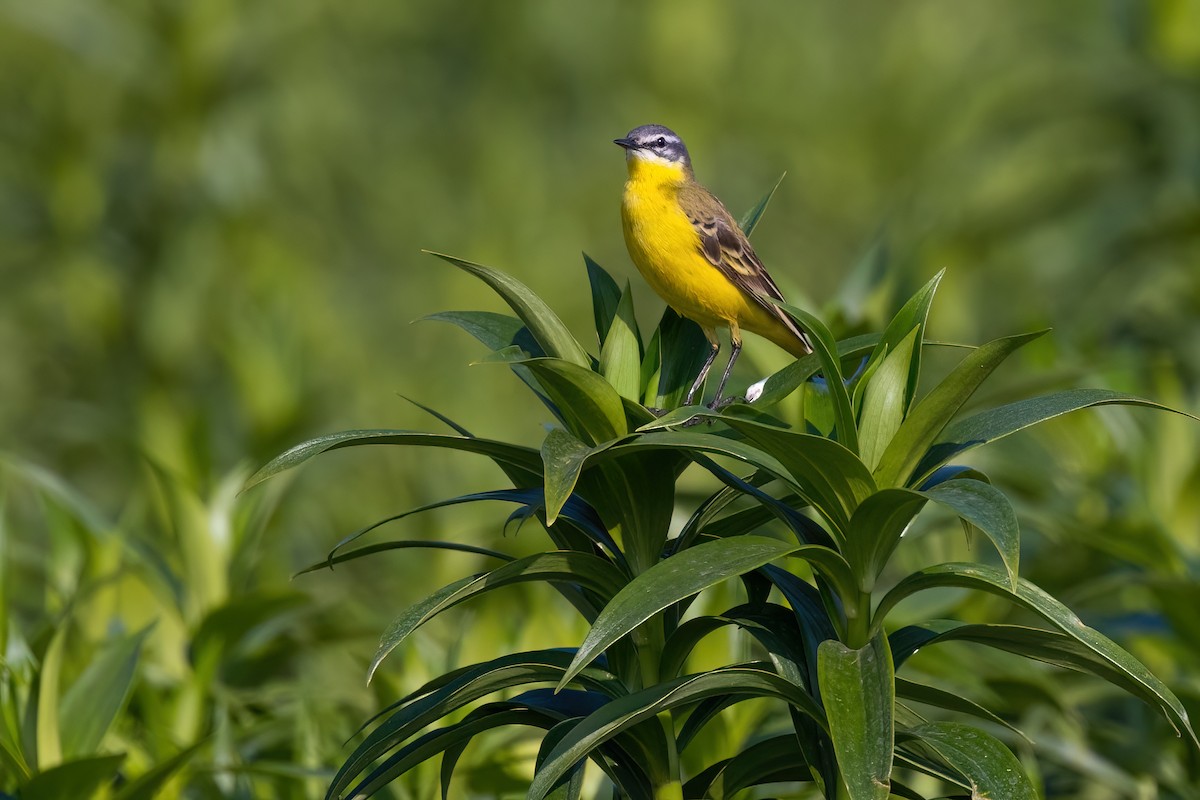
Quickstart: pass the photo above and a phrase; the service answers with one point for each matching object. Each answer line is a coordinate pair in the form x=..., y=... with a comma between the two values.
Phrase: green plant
x=842, y=483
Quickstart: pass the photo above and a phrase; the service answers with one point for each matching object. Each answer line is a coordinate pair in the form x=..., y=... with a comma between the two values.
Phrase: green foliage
x=829, y=648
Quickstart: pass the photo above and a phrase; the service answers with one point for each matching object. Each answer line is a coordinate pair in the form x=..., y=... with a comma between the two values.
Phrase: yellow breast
x=666, y=248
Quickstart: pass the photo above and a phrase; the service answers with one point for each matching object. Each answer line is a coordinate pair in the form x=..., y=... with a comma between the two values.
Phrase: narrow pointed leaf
x=884, y=401
x=563, y=457
x=625, y=712
x=589, y=571
x=771, y=760
x=826, y=349
x=750, y=219
x=990, y=768
x=989, y=510
x=494, y=331
x=606, y=295
x=524, y=459
x=543, y=323
x=96, y=698
x=875, y=531
x=384, y=547
x=826, y=473
x=47, y=735
x=682, y=350
x=591, y=407
x=915, y=313
x=782, y=383
x=996, y=423
x=858, y=693
x=148, y=785
x=934, y=411
x=621, y=355
x=994, y=581
x=940, y=698
x=682, y=575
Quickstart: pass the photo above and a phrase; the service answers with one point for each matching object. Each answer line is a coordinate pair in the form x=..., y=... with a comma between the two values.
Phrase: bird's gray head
x=656, y=143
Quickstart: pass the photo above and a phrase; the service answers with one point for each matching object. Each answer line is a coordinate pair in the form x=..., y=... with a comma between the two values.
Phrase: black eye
x=660, y=143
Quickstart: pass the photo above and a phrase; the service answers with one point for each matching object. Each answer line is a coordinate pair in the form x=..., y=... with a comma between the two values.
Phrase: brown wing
x=725, y=247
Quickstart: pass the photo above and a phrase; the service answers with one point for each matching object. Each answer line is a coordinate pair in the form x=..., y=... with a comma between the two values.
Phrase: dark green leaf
x=384, y=547
x=682, y=351
x=772, y=760
x=927, y=419
x=589, y=571
x=543, y=323
x=990, y=767
x=996, y=423
x=989, y=510
x=624, y=712
x=794, y=375
x=524, y=459
x=684, y=574
x=590, y=407
x=563, y=457
x=826, y=349
x=875, y=531
x=605, y=297
x=994, y=581
x=494, y=331
x=148, y=785
x=939, y=698
x=857, y=691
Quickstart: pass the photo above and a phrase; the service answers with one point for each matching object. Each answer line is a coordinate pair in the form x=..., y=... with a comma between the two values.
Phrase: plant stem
x=858, y=622
x=669, y=791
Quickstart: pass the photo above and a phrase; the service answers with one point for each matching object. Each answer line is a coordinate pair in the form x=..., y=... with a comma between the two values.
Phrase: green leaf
x=824, y=472
x=913, y=315
x=621, y=355
x=98, y=695
x=989, y=510
x=625, y=712
x=584, y=569
x=1051, y=647
x=857, y=691
x=794, y=375
x=590, y=407
x=989, y=767
x=884, y=401
x=875, y=531
x=683, y=575
x=384, y=547
x=996, y=423
x=495, y=331
x=935, y=410
x=74, y=779
x=606, y=296
x=940, y=698
x=47, y=736
x=749, y=220
x=682, y=351
x=563, y=457
x=525, y=459
x=826, y=349
x=989, y=579
x=447, y=694
x=543, y=323
x=772, y=760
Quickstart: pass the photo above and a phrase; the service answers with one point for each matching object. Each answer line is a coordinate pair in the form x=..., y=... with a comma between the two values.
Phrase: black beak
x=628, y=144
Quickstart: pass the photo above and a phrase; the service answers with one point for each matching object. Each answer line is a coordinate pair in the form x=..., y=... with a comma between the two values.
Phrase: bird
x=693, y=254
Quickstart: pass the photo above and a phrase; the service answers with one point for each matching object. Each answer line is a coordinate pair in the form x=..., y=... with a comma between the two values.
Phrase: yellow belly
x=666, y=250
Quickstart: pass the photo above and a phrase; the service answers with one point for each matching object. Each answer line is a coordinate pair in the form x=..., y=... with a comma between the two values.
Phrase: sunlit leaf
x=621, y=356
x=96, y=698
x=884, y=401
x=989, y=510
x=826, y=349
x=591, y=408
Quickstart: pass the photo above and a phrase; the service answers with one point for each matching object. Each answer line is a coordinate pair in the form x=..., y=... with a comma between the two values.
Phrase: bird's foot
x=720, y=403
x=658, y=412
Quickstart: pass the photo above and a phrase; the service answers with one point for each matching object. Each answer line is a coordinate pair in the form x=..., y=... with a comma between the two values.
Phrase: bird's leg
x=735, y=339
x=714, y=345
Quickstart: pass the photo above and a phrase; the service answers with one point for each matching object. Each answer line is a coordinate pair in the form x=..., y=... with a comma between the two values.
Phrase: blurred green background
x=211, y=215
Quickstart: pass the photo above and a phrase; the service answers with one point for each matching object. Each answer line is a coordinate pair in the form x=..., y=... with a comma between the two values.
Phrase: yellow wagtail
x=692, y=252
